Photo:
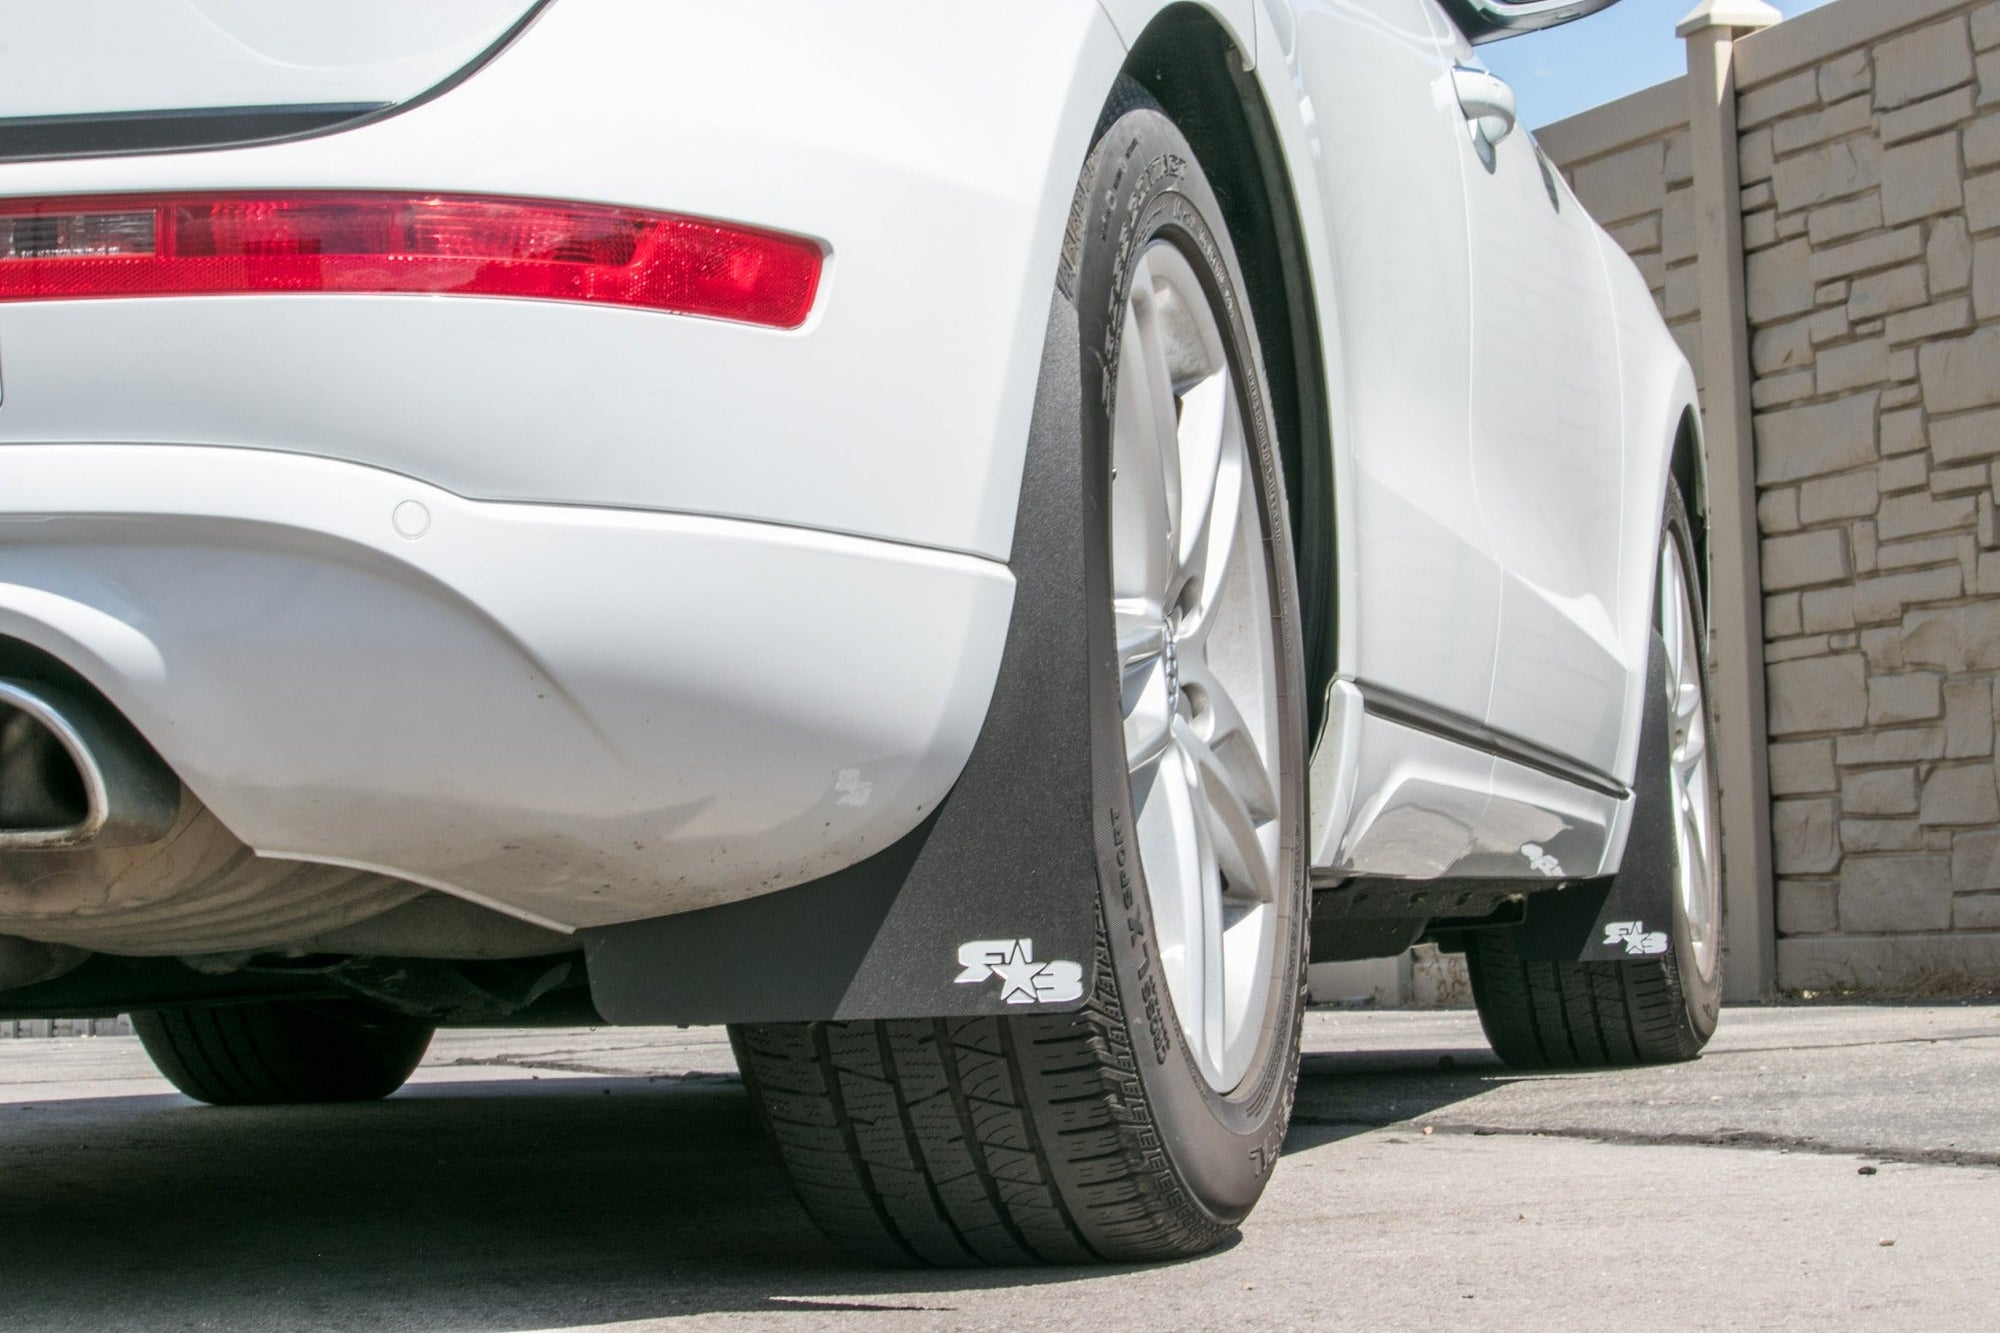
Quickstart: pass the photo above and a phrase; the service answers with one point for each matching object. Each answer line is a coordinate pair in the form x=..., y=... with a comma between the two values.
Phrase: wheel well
x=1190, y=66
x=1686, y=470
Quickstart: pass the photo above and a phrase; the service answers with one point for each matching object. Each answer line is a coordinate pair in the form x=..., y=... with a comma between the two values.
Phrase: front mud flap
x=1628, y=915
x=991, y=905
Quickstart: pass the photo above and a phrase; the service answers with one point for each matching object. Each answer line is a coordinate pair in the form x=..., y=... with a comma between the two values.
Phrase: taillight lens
x=226, y=244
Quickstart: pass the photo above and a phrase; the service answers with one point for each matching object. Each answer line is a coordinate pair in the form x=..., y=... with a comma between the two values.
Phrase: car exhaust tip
x=74, y=773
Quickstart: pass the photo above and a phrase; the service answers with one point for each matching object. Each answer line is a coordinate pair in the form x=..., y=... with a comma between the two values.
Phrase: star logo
x=1636, y=938
x=1017, y=975
x=1022, y=979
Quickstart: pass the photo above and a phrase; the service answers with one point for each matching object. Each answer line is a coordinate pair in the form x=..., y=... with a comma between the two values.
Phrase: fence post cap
x=1741, y=15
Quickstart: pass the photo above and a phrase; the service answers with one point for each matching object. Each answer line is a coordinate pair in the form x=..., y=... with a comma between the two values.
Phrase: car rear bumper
x=579, y=715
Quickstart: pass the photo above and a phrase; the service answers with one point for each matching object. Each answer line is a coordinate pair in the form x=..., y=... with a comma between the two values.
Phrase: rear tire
x=1651, y=1010
x=1579, y=1015
x=1136, y=1128
x=278, y=1053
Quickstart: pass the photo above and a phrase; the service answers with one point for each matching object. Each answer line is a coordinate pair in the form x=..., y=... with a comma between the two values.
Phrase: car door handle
x=1486, y=100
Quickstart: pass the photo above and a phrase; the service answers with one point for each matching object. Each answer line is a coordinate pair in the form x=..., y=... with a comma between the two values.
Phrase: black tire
x=1066, y=1138
x=277, y=1053
x=1602, y=1015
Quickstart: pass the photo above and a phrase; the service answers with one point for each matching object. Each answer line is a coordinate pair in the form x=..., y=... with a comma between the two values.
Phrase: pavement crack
x=531, y=1063
x=1719, y=1138
x=1714, y=1052
x=859, y=1307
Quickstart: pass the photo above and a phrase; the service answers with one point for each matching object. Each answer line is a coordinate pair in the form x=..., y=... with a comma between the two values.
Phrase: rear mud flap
x=991, y=905
x=1630, y=914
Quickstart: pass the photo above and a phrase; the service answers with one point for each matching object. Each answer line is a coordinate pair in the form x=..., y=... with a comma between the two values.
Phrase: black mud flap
x=992, y=902
x=1628, y=915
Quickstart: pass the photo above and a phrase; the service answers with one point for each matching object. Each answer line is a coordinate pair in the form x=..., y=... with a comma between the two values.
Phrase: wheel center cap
x=1170, y=658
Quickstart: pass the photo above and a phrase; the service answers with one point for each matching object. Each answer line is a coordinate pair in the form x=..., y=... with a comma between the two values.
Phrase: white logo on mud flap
x=1543, y=863
x=1635, y=937
x=849, y=788
x=1022, y=979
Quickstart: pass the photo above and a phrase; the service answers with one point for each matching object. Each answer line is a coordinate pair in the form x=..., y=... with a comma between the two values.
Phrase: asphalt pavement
x=1825, y=1167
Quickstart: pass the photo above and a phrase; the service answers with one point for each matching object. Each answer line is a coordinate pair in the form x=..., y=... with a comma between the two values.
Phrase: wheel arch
x=1191, y=65
x=1688, y=466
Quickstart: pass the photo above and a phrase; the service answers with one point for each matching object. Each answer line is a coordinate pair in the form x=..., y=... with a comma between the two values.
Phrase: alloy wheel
x=1696, y=818
x=1198, y=659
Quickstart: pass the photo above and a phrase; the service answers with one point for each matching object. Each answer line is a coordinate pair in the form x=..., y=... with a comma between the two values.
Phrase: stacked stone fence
x=64, y=1027
x=1868, y=206
x=1629, y=162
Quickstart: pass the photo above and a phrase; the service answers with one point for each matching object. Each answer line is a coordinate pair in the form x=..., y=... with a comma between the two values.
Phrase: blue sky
x=1627, y=47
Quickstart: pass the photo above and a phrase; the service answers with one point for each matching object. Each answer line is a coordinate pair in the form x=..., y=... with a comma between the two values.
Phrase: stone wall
x=1870, y=214
x=64, y=1027
x=1629, y=163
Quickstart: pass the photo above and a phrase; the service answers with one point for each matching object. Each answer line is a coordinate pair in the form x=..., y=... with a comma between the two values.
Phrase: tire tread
x=954, y=1141
x=277, y=1053
x=1577, y=1015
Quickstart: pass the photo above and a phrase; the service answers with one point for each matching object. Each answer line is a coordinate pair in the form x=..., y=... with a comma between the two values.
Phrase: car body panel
x=899, y=411
x=578, y=716
x=1497, y=600
x=104, y=57
x=1421, y=594
x=1660, y=403
x=651, y=486
x=1549, y=461
x=1418, y=594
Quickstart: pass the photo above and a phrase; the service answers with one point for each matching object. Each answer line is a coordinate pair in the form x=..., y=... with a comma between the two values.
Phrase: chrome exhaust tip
x=74, y=773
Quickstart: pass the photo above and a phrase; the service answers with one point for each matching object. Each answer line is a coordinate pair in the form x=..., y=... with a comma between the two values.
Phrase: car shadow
x=1344, y=1093
x=500, y=1204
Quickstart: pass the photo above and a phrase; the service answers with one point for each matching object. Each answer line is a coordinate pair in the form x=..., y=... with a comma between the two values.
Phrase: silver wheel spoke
x=1210, y=478
x=1143, y=686
x=1204, y=417
x=1145, y=498
x=1232, y=829
x=1695, y=745
x=1174, y=851
x=1209, y=982
x=1694, y=836
x=1228, y=736
x=1163, y=411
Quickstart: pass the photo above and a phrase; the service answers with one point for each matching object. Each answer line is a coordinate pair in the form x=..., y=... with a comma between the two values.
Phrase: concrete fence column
x=1736, y=586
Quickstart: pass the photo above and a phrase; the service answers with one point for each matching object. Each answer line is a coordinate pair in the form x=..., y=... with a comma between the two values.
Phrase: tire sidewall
x=1142, y=185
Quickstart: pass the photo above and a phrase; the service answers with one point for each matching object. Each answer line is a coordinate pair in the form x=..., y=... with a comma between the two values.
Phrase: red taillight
x=216, y=244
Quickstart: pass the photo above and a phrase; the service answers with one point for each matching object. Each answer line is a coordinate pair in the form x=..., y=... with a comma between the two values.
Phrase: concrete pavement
x=616, y=1178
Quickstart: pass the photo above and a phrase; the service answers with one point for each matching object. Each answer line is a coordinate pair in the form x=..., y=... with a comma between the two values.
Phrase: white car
x=968, y=542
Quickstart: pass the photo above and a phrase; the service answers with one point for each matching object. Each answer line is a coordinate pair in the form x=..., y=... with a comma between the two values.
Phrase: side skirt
x=1556, y=918
x=1404, y=790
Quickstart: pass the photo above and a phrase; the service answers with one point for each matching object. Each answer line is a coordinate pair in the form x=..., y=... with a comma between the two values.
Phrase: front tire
x=1659, y=1010
x=1144, y=1126
x=277, y=1053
